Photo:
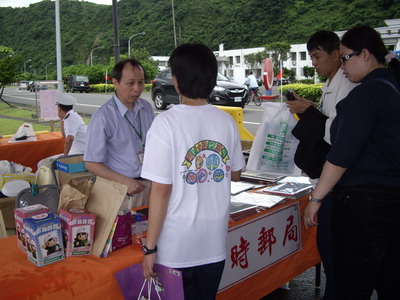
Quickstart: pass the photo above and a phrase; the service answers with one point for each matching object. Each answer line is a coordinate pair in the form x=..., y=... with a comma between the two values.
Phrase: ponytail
x=394, y=63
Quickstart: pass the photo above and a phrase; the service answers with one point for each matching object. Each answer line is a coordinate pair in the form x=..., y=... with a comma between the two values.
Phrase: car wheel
x=159, y=102
x=72, y=90
x=87, y=92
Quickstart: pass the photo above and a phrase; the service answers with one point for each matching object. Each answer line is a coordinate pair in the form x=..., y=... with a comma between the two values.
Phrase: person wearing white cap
x=73, y=128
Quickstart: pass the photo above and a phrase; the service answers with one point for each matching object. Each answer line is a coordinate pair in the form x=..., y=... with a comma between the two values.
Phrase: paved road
x=88, y=103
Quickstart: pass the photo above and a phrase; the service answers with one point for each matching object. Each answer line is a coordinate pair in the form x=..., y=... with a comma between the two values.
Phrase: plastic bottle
x=138, y=229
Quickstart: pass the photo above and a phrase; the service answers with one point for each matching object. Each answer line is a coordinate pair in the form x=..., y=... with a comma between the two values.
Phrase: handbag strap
x=388, y=83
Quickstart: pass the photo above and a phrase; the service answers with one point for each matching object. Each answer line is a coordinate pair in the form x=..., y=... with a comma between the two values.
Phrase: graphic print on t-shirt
x=204, y=162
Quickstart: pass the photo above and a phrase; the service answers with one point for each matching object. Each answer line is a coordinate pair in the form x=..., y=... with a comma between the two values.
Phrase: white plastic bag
x=274, y=145
x=25, y=133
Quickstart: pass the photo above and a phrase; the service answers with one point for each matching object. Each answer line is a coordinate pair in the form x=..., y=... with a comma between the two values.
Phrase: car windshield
x=82, y=78
x=221, y=77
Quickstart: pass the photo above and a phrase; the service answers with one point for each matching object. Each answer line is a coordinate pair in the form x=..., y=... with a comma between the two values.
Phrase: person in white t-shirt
x=193, y=151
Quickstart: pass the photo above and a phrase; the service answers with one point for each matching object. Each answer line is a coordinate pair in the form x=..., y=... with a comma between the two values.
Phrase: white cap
x=12, y=188
x=65, y=99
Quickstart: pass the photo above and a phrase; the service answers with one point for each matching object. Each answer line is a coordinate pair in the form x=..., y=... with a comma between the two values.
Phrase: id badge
x=140, y=156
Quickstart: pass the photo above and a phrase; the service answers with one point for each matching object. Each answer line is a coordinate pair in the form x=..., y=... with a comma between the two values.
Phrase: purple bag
x=166, y=286
x=123, y=232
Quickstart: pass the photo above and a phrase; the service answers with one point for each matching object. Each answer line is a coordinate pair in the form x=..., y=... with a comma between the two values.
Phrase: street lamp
x=25, y=64
x=129, y=42
x=46, y=68
x=91, y=55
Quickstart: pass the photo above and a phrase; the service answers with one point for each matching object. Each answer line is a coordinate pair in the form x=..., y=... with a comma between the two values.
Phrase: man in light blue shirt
x=117, y=133
x=251, y=82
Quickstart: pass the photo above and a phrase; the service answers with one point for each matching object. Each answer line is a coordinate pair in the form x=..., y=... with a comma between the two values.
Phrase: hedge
x=101, y=87
x=312, y=92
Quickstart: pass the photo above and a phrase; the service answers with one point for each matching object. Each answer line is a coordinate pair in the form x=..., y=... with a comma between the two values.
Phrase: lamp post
x=46, y=68
x=129, y=42
x=173, y=20
x=25, y=64
x=91, y=55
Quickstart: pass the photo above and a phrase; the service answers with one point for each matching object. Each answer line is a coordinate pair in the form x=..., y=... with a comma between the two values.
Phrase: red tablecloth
x=30, y=153
x=88, y=277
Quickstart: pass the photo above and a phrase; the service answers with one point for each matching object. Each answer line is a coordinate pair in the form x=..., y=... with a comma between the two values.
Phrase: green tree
x=8, y=67
x=150, y=65
x=289, y=74
x=255, y=58
x=279, y=52
x=308, y=71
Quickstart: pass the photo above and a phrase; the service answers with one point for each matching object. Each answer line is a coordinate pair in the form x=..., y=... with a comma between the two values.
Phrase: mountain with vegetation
x=30, y=31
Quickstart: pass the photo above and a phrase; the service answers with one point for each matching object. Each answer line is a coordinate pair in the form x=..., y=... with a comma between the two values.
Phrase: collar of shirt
x=67, y=115
x=330, y=86
x=123, y=109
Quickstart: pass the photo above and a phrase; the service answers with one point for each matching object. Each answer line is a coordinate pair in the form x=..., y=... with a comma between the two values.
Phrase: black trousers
x=201, y=282
x=366, y=241
x=324, y=244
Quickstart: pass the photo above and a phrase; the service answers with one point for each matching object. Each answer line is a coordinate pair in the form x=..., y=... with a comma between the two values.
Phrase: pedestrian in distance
x=363, y=169
x=193, y=152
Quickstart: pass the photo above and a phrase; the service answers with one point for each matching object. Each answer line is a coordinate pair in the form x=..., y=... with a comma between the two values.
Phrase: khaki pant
x=137, y=200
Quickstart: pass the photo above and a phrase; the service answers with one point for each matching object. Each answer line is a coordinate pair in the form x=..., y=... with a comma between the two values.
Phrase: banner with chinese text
x=260, y=243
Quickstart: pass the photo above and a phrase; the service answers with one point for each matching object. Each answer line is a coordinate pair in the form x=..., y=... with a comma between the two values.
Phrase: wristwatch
x=147, y=251
x=312, y=199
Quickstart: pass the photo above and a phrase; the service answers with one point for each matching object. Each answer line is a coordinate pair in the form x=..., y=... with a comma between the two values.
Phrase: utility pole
x=116, y=30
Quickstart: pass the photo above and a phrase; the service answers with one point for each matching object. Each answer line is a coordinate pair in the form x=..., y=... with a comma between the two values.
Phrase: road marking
x=89, y=105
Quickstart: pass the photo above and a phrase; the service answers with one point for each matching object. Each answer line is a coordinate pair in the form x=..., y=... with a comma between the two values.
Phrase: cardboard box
x=30, y=177
x=7, y=206
x=44, y=239
x=71, y=164
x=78, y=231
x=63, y=178
x=20, y=214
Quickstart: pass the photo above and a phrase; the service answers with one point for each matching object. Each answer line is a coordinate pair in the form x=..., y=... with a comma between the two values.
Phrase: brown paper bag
x=74, y=194
x=105, y=200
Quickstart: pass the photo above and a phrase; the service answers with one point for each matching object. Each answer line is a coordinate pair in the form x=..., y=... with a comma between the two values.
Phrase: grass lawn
x=10, y=126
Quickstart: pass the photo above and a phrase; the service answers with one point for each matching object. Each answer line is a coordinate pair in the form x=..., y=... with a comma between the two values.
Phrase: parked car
x=78, y=83
x=278, y=81
x=23, y=85
x=226, y=92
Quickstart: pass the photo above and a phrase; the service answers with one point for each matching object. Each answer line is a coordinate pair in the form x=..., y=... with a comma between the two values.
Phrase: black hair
x=117, y=70
x=250, y=72
x=195, y=69
x=323, y=40
x=366, y=37
x=65, y=108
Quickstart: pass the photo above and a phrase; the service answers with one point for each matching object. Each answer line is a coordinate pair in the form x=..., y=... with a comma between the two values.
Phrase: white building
x=232, y=63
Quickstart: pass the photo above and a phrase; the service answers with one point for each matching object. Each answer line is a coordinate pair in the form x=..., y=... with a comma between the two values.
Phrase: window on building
x=303, y=55
x=293, y=56
x=231, y=60
x=238, y=59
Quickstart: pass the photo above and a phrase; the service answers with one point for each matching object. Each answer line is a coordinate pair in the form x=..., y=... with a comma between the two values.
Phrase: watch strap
x=312, y=199
x=147, y=251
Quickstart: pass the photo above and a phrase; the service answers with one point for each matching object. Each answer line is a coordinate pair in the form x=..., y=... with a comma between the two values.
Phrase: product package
x=23, y=213
x=78, y=231
x=44, y=239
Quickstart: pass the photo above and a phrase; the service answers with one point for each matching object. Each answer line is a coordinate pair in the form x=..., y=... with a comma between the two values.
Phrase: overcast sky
x=25, y=3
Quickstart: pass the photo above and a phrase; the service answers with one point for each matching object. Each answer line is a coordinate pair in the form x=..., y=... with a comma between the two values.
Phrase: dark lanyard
x=138, y=133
